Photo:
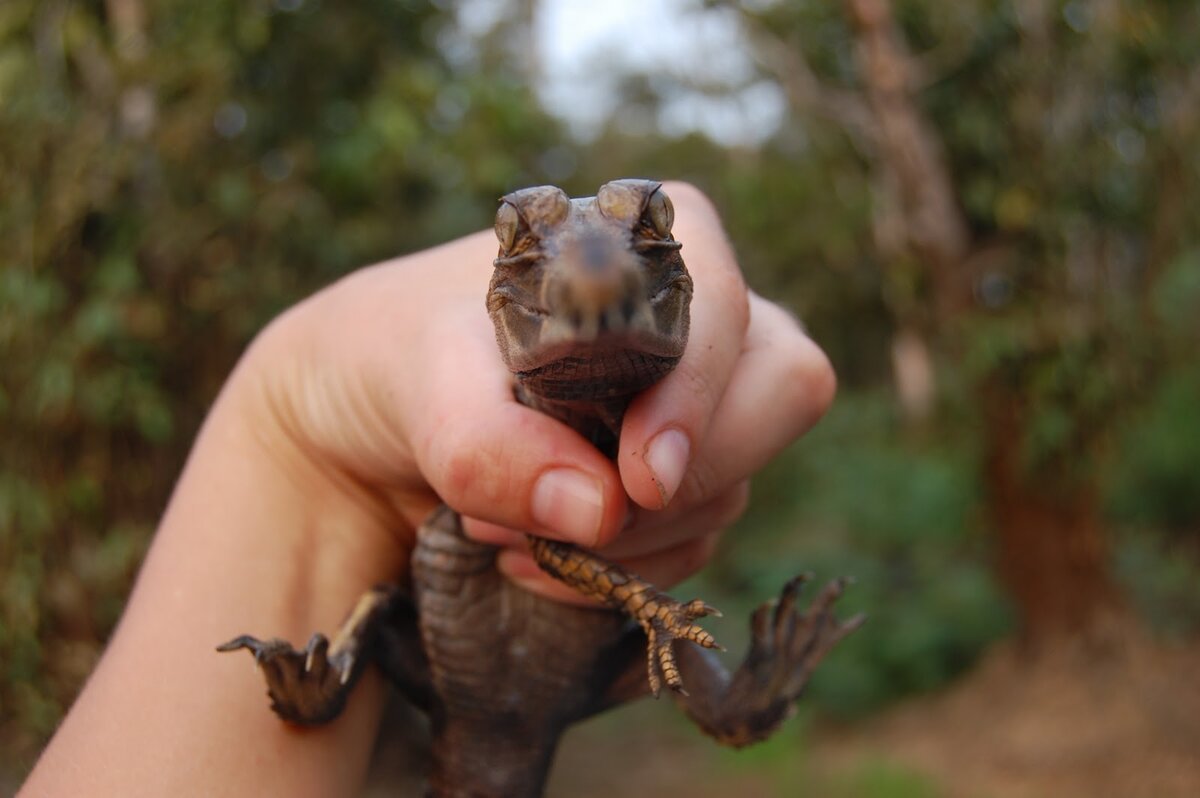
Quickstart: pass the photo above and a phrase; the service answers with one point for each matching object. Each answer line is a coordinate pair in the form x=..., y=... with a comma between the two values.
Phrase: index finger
x=663, y=426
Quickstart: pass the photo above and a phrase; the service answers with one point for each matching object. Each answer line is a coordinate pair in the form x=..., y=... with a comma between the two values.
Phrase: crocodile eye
x=507, y=221
x=660, y=213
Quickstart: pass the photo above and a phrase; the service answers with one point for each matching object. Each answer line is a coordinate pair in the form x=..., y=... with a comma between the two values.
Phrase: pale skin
x=337, y=433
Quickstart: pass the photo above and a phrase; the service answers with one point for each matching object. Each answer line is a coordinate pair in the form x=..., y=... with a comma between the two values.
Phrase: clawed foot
x=306, y=687
x=311, y=686
x=786, y=645
x=663, y=619
x=666, y=620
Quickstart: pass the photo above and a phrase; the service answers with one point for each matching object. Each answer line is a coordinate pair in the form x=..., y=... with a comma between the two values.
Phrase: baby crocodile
x=590, y=299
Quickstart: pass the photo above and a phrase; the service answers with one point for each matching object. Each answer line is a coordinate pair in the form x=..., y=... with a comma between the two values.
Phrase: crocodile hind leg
x=663, y=618
x=310, y=686
x=787, y=642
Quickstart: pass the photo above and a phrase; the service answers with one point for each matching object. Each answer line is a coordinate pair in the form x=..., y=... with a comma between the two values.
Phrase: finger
x=482, y=531
x=782, y=385
x=663, y=569
x=662, y=426
x=652, y=533
x=489, y=457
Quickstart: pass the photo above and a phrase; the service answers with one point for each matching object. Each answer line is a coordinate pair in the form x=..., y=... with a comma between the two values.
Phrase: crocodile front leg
x=663, y=618
x=310, y=686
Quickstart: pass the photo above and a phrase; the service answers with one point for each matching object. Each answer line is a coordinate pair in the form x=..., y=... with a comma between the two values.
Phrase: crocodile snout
x=595, y=286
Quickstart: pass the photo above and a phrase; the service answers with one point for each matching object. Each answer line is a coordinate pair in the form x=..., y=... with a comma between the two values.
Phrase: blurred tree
x=173, y=174
x=1010, y=165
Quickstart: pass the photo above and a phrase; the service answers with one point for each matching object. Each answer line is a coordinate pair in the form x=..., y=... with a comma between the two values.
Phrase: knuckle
x=459, y=467
x=805, y=378
x=454, y=465
x=476, y=468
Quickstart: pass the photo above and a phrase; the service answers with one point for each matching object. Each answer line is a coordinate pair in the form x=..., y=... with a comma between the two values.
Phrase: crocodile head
x=589, y=296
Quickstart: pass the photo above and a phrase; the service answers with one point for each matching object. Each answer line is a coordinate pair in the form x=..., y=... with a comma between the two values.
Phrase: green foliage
x=167, y=190
x=1070, y=150
x=859, y=497
x=1157, y=479
x=1176, y=295
x=1162, y=574
x=785, y=763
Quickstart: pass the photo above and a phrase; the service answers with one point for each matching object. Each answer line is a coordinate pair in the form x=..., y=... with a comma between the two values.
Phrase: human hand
x=432, y=412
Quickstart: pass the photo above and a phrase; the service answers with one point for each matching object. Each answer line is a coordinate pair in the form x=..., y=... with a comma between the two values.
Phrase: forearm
x=256, y=539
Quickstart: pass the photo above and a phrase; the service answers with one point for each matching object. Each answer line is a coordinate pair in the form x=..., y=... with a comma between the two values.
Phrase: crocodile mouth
x=597, y=375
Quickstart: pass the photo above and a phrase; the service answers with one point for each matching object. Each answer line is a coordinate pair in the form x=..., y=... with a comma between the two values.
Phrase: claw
x=318, y=646
x=262, y=650
x=310, y=686
x=299, y=683
x=697, y=608
x=854, y=622
x=241, y=641
x=797, y=582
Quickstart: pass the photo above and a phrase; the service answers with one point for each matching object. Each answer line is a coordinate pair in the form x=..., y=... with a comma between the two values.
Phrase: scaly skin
x=590, y=302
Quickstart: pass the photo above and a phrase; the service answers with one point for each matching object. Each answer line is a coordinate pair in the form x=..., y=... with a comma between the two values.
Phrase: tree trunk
x=1052, y=551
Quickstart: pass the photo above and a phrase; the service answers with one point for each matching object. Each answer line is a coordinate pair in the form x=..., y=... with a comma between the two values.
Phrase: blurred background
x=983, y=210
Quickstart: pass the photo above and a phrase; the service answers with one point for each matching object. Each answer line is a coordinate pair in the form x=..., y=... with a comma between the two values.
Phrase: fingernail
x=569, y=502
x=667, y=457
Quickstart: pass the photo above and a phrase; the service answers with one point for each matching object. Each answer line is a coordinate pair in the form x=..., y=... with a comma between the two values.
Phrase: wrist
x=279, y=412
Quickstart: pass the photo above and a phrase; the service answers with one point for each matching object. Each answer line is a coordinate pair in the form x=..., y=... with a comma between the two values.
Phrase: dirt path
x=1123, y=722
